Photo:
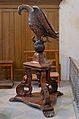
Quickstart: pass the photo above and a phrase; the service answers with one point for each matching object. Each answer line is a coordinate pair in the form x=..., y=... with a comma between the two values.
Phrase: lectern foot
x=48, y=112
x=15, y=99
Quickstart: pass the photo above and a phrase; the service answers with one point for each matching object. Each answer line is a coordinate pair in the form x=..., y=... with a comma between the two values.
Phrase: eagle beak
x=19, y=11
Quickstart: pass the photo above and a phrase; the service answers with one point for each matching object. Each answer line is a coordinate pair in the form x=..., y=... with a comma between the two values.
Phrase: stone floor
x=18, y=110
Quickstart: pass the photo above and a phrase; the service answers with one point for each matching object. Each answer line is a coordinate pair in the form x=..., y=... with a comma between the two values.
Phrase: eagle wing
x=44, y=22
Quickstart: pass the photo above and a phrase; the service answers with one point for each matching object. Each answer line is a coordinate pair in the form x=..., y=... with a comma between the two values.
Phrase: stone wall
x=69, y=34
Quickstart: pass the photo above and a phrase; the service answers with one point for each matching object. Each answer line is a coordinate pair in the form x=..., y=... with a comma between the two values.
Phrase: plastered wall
x=69, y=34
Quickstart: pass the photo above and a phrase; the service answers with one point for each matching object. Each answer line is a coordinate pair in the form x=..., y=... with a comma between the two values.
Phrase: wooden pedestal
x=45, y=99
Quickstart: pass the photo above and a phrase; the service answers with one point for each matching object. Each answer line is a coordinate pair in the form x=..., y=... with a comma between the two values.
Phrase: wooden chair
x=7, y=83
x=54, y=68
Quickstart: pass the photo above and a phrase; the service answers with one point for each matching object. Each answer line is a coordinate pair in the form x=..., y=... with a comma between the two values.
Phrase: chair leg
x=6, y=72
x=11, y=73
x=59, y=80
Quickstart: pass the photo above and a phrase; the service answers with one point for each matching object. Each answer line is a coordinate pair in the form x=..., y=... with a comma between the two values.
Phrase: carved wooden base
x=35, y=101
x=45, y=99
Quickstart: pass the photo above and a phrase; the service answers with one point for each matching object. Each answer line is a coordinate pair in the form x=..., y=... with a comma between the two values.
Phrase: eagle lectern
x=45, y=99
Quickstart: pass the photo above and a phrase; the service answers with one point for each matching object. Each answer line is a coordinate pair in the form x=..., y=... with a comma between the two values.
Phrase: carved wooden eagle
x=38, y=22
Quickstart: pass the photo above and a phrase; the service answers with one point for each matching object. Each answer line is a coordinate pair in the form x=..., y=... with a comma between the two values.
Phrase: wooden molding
x=15, y=6
x=33, y=2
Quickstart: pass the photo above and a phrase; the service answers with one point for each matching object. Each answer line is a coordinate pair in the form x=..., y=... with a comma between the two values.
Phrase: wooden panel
x=1, y=41
x=24, y=34
x=34, y=2
x=11, y=45
x=16, y=36
x=51, y=14
x=6, y=35
x=18, y=39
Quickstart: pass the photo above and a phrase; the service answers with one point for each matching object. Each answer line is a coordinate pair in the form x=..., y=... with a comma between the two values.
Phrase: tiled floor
x=18, y=110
